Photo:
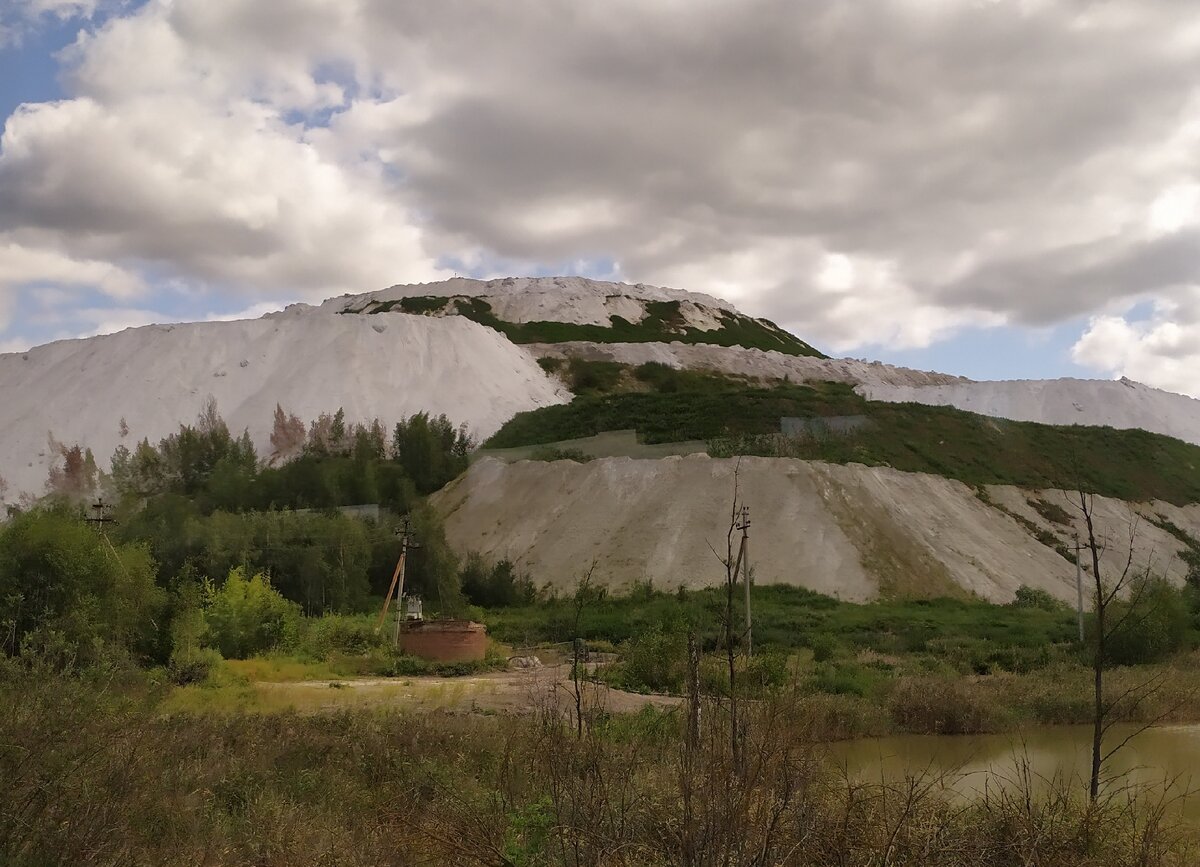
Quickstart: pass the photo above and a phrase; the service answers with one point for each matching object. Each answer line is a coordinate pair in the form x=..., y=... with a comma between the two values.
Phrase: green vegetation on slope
x=971, y=635
x=978, y=450
x=663, y=322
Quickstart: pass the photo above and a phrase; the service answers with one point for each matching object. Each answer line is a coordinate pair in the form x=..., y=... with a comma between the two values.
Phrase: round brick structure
x=445, y=640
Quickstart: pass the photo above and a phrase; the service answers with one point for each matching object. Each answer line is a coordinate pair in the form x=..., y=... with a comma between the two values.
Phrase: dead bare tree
x=1133, y=614
x=582, y=594
x=732, y=563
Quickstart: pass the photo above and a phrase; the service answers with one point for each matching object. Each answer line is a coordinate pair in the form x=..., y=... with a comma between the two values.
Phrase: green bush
x=593, y=377
x=193, y=665
x=1033, y=597
x=353, y=635
x=494, y=585
x=551, y=453
x=1147, y=626
x=850, y=679
x=655, y=661
x=63, y=585
x=246, y=616
x=765, y=672
x=823, y=648
x=737, y=419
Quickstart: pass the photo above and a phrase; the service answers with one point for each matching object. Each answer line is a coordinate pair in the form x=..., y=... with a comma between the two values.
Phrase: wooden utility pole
x=404, y=531
x=100, y=519
x=744, y=557
x=100, y=508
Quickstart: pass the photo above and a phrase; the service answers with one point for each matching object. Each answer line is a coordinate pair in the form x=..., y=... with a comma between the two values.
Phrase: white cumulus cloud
x=963, y=164
x=1162, y=349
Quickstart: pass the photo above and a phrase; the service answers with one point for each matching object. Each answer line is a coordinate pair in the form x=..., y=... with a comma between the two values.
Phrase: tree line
x=201, y=510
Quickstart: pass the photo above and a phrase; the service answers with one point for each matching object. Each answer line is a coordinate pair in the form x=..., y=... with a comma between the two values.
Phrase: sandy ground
x=499, y=692
x=847, y=531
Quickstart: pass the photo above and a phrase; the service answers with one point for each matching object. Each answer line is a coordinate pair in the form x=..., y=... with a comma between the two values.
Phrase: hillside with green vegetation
x=741, y=419
x=226, y=628
x=663, y=323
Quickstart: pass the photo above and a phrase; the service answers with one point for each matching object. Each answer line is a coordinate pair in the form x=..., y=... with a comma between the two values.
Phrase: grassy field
x=301, y=756
x=914, y=666
x=96, y=770
x=978, y=450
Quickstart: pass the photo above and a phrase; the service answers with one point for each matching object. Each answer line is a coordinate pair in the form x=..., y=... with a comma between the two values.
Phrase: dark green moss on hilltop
x=664, y=322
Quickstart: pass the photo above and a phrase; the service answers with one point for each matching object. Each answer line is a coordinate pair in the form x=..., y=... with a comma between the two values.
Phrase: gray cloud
x=974, y=161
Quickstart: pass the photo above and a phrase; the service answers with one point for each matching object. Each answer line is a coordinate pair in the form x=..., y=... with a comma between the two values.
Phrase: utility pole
x=744, y=555
x=1079, y=586
x=100, y=508
x=404, y=531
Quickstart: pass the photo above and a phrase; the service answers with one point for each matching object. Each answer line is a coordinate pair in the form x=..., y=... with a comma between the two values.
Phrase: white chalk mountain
x=470, y=349
x=307, y=360
x=850, y=531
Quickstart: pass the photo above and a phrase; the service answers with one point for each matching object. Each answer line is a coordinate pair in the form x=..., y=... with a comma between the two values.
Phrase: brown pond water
x=1160, y=754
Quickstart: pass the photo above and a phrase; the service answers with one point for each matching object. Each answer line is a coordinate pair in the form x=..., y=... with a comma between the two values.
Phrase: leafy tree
x=247, y=616
x=432, y=570
x=287, y=434
x=78, y=475
x=63, y=584
x=495, y=585
x=1150, y=623
x=431, y=450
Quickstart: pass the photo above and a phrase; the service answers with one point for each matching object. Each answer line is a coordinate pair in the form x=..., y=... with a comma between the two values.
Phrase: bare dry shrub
x=92, y=773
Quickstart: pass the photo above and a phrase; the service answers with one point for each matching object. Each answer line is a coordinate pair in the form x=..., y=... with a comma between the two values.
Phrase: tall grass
x=94, y=774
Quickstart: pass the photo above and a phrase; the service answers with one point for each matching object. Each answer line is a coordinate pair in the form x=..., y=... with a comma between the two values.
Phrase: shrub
x=843, y=680
x=1052, y=512
x=655, y=661
x=353, y=635
x=585, y=377
x=193, y=665
x=1033, y=597
x=823, y=648
x=62, y=584
x=248, y=616
x=552, y=453
x=766, y=672
x=936, y=706
x=1147, y=626
x=494, y=585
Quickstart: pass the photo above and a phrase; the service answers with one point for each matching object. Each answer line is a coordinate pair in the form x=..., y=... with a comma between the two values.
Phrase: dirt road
x=499, y=692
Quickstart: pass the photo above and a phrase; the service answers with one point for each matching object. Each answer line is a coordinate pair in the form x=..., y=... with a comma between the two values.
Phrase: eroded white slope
x=553, y=299
x=310, y=361
x=1119, y=403
x=850, y=531
x=740, y=361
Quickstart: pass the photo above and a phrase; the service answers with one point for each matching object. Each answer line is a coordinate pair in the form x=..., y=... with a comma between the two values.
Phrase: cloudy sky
x=1001, y=188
